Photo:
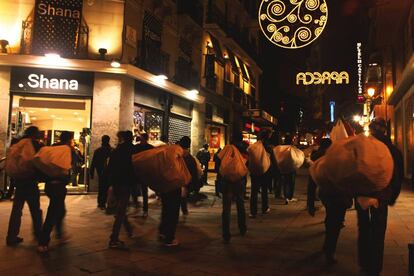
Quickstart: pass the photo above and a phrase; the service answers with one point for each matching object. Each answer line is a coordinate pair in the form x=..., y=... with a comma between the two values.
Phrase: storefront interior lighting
x=357, y=118
x=52, y=58
x=102, y=53
x=115, y=63
x=389, y=90
x=4, y=43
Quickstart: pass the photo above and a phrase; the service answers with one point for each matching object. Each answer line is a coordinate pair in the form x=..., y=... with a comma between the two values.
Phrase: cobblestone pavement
x=285, y=242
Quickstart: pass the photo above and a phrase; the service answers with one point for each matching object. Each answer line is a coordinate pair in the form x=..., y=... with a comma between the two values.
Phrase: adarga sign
x=49, y=81
x=309, y=78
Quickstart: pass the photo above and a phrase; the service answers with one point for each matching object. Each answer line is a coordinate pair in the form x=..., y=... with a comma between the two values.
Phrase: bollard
x=411, y=259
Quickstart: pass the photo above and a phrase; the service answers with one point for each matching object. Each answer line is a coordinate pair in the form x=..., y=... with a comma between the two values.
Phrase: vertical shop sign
x=56, y=26
x=361, y=97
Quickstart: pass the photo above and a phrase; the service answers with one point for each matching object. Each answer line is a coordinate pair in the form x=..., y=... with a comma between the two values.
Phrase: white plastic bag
x=259, y=160
x=232, y=165
x=288, y=158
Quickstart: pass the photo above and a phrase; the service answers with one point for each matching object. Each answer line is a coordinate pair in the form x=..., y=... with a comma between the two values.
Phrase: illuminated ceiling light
x=34, y=118
x=102, y=53
x=4, y=43
x=45, y=109
x=371, y=91
x=115, y=63
x=75, y=113
x=162, y=77
x=194, y=91
x=357, y=118
x=52, y=56
x=209, y=44
x=226, y=56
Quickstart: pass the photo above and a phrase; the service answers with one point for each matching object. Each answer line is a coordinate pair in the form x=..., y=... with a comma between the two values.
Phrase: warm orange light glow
x=389, y=90
x=371, y=91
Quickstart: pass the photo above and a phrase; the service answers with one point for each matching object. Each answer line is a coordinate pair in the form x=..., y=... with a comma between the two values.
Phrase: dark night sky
x=347, y=24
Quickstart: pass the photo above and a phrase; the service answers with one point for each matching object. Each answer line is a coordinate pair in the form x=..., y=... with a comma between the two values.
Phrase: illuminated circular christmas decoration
x=293, y=24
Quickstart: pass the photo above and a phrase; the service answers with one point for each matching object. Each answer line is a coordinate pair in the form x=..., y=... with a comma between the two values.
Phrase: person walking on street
x=99, y=163
x=218, y=181
x=260, y=181
x=372, y=222
x=26, y=191
x=203, y=156
x=172, y=200
x=288, y=179
x=122, y=179
x=143, y=146
x=233, y=190
x=55, y=189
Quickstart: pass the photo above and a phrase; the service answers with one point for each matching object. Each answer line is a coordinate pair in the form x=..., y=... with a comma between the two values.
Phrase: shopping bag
x=259, y=160
x=54, y=161
x=339, y=131
x=288, y=158
x=19, y=160
x=357, y=165
x=232, y=165
x=163, y=168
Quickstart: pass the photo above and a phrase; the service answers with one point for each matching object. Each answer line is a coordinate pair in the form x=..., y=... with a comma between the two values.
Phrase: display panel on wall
x=178, y=128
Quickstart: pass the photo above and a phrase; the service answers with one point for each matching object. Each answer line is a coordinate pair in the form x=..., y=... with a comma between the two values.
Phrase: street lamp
x=371, y=92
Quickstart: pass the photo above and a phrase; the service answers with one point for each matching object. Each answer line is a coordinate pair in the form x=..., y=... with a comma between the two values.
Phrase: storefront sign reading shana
x=32, y=80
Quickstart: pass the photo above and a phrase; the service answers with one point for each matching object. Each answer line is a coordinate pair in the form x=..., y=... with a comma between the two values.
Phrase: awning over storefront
x=407, y=80
x=100, y=67
x=260, y=116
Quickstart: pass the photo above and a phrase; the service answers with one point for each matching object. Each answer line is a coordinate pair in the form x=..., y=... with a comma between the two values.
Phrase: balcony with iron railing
x=80, y=47
x=155, y=61
x=192, y=8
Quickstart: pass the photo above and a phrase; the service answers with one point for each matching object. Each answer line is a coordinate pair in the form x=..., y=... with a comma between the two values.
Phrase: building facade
x=94, y=67
x=390, y=73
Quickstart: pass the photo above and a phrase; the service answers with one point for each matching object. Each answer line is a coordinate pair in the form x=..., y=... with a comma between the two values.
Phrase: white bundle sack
x=19, y=160
x=357, y=165
x=259, y=160
x=338, y=132
x=288, y=158
x=55, y=161
x=232, y=165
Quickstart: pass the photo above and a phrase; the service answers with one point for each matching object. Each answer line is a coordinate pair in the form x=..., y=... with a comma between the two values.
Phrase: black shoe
x=13, y=242
x=117, y=245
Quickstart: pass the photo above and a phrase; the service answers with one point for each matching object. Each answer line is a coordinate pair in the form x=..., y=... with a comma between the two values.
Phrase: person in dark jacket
x=372, y=223
x=26, y=191
x=233, y=191
x=143, y=146
x=203, y=155
x=325, y=143
x=99, y=163
x=261, y=182
x=122, y=178
x=55, y=189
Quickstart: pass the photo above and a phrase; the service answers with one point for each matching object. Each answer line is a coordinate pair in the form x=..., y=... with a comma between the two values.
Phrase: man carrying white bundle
x=372, y=219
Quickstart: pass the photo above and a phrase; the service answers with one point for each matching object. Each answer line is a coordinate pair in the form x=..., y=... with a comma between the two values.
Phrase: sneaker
x=13, y=242
x=42, y=249
x=172, y=243
x=117, y=245
x=293, y=200
x=267, y=211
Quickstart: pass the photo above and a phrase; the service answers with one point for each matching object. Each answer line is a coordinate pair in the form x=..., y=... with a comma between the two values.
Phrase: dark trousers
x=121, y=218
x=372, y=224
x=335, y=215
x=25, y=192
x=288, y=184
x=311, y=194
x=259, y=182
x=56, y=191
x=277, y=186
x=170, y=212
x=233, y=191
x=102, y=189
x=218, y=184
x=204, y=176
x=183, y=204
x=144, y=192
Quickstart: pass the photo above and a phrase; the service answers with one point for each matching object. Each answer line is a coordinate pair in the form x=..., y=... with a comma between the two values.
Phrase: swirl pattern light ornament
x=293, y=24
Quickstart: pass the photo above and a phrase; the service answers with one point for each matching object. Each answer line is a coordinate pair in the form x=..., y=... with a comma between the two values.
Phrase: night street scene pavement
x=207, y=137
x=287, y=241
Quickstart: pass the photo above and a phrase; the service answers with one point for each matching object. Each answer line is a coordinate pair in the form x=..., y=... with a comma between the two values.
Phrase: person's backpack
x=232, y=165
x=19, y=160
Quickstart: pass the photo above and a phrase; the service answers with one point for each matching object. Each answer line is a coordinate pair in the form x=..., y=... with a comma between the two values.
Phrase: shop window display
x=148, y=121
